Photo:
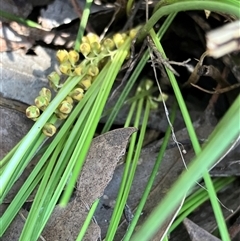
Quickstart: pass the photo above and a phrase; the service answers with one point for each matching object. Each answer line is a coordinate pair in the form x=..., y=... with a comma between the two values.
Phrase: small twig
x=218, y=91
x=194, y=77
x=110, y=23
x=160, y=59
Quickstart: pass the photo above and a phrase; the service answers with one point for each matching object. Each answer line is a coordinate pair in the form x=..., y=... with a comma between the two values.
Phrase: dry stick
x=160, y=60
x=194, y=77
x=218, y=91
x=110, y=23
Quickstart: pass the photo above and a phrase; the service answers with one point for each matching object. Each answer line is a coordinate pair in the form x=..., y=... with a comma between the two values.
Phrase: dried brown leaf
x=197, y=233
x=105, y=152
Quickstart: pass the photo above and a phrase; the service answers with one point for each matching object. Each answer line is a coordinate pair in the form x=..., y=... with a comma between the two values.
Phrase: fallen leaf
x=105, y=152
x=65, y=223
x=197, y=233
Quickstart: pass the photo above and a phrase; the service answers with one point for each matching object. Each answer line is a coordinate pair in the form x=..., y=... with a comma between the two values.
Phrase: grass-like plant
x=62, y=158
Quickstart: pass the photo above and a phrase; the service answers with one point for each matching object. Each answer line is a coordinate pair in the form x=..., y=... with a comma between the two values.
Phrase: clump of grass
x=94, y=77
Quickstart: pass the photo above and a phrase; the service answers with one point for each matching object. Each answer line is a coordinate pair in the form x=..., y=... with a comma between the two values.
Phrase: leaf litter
x=104, y=154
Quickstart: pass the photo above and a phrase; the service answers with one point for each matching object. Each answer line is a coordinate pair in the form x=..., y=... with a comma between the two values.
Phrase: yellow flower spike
x=92, y=37
x=49, y=129
x=66, y=68
x=93, y=70
x=73, y=57
x=118, y=39
x=32, y=112
x=60, y=115
x=69, y=99
x=108, y=44
x=77, y=94
x=46, y=93
x=96, y=47
x=85, y=49
x=62, y=56
x=86, y=82
x=41, y=102
x=65, y=107
x=78, y=70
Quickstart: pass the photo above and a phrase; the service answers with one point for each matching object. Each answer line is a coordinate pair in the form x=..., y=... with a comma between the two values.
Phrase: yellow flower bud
x=77, y=94
x=32, y=112
x=118, y=39
x=65, y=68
x=92, y=37
x=85, y=39
x=49, y=129
x=62, y=56
x=69, y=99
x=96, y=47
x=148, y=84
x=108, y=44
x=93, y=70
x=73, y=57
x=86, y=82
x=85, y=49
x=78, y=70
x=41, y=102
x=153, y=105
x=60, y=115
x=54, y=80
x=65, y=107
x=46, y=93
x=133, y=32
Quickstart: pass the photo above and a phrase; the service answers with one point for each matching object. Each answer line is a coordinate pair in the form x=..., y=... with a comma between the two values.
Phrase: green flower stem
x=63, y=159
x=151, y=179
x=21, y=20
x=87, y=221
x=134, y=76
x=230, y=7
x=6, y=159
x=200, y=164
x=96, y=114
x=83, y=24
x=34, y=215
x=31, y=137
x=192, y=203
x=117, y=213
x=18, y=201
x=195, y=143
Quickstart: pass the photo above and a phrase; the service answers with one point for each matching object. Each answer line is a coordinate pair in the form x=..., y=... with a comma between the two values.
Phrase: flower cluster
x=86, y=64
